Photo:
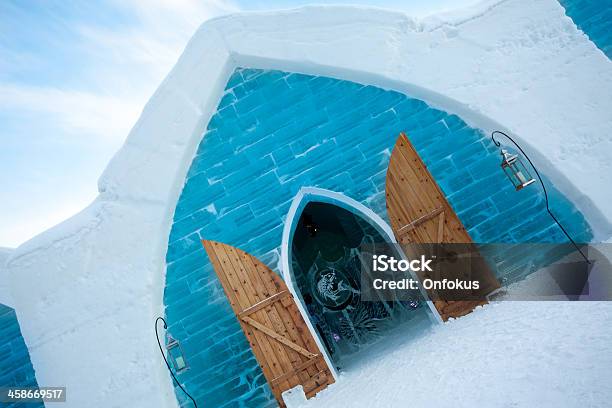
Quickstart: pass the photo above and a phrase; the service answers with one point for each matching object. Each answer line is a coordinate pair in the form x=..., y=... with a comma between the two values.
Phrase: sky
x=74, y=77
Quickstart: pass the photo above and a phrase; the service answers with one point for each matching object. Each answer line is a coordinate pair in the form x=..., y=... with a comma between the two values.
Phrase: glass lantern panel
x=177, y=358
x=522, y=174
x=518, y=174
x=524, y=170
x=180, y=363
x=512, y=176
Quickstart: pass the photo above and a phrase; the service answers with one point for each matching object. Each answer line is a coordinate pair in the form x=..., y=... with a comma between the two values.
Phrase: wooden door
x=419, y=213
x=280, y=339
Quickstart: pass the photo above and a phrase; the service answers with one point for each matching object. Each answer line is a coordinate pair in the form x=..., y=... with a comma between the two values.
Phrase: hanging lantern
x=520, y=177
x=175, y=355
x=515, y=170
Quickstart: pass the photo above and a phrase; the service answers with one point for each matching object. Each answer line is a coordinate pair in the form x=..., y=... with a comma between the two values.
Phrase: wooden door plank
x=421, y=220
x=316, y=383
x=263, y=303
x=234, y=280
x=304, y=332
x=250, y=293
x=291, y=325
x=420, y=213
x=272, y=351
x=303, y=366
x=417, y=183
x=401, y=178
x=431, y=189
x=260, y=353
x=259, y=272
x=401, y=189
x=254, y=277
x=441, y=227
x=275, y=329
x=277, y=337
x=399, y=217
x=272, y=313
x=231, y=296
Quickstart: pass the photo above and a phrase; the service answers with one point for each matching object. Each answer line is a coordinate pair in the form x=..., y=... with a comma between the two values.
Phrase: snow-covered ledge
x=87, y=291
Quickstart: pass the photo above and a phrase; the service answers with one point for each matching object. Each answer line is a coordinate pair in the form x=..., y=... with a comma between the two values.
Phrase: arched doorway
x=327, y=239
x=238, y=193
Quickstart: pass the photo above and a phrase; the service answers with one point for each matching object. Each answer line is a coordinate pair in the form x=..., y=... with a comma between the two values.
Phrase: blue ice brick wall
x=275, y=132
x=594, y=17
x=15, y=367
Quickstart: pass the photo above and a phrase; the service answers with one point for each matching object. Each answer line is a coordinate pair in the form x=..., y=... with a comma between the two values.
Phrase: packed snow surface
x=507, y=354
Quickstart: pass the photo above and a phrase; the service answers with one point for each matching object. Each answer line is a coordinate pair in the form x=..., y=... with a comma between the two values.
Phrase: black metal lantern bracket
x=166, y=360
x=543, y=188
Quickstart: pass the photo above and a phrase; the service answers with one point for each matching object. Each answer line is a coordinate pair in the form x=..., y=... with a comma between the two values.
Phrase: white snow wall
x=87, y=291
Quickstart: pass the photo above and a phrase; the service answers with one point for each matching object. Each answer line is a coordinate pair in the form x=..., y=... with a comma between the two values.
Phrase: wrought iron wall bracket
x=166, y=360
x=543, y=188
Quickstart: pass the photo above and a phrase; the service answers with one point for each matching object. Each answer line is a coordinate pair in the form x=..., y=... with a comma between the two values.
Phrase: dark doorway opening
x=329, y=246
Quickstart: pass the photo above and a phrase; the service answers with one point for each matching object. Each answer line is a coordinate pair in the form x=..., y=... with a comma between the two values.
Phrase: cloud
x=124, y=66
x=71, y=87
x=153, y=44
x=75, y=112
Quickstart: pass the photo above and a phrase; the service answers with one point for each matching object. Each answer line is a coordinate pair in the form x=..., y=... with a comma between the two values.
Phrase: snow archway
x=308, y=195
x=313, y=194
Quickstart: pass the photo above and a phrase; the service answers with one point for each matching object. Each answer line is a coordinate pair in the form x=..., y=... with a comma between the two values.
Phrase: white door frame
x=314, y=194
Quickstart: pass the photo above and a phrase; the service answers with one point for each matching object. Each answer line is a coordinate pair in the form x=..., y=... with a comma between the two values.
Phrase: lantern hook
x=543, y=188
x=167, y=364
